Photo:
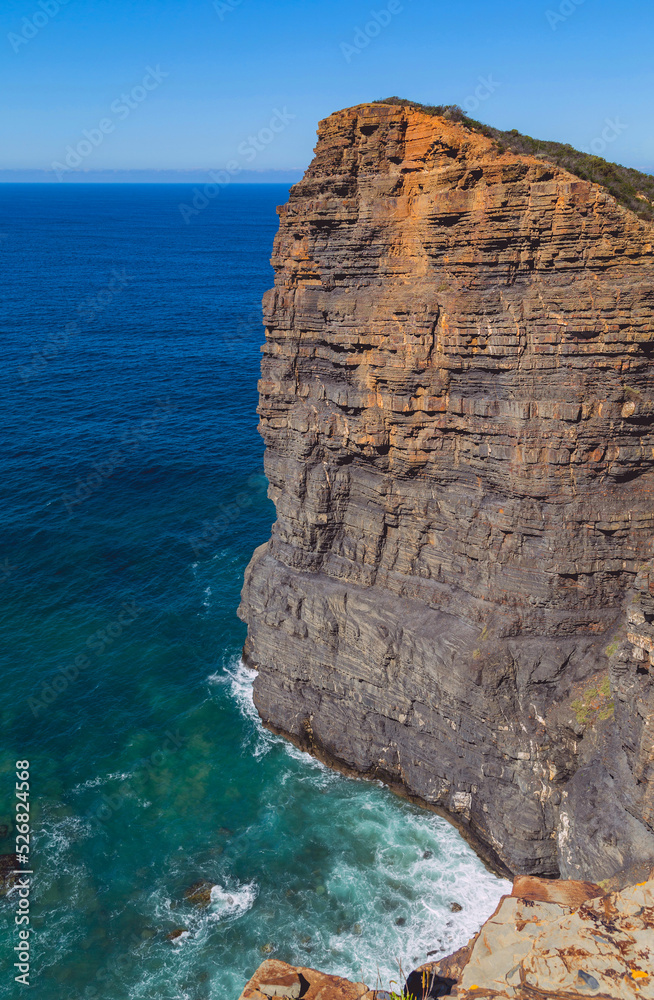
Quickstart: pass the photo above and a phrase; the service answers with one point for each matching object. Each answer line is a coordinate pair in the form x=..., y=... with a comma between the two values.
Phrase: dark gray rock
x=456, y=402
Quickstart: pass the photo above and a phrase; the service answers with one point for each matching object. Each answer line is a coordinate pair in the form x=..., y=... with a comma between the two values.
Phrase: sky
x=192, y=85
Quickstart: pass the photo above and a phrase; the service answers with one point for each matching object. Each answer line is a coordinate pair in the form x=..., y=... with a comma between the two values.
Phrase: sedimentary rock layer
x=456, y=403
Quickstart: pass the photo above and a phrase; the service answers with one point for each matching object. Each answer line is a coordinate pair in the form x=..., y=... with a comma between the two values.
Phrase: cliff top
x=631, y=188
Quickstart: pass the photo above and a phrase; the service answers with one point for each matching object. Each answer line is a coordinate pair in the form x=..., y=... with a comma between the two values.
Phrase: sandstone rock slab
x=313, y=985
x=604, y=948
x=565, y=892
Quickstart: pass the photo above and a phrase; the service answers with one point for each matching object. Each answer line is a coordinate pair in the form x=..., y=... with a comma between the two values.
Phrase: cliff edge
x=456, y=400
x=532, y=948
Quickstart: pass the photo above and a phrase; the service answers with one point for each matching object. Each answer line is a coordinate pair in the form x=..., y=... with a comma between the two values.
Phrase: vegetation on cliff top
x=631, y=188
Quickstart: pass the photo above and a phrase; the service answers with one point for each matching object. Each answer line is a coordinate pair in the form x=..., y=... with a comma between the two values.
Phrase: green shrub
x=594, y=704
x=627, y=186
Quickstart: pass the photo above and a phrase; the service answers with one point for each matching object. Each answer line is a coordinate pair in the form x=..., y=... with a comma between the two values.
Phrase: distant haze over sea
x=145, y=176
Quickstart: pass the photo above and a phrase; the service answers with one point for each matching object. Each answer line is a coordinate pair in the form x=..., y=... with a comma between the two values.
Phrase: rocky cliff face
x=456, y=402
x=560, y=942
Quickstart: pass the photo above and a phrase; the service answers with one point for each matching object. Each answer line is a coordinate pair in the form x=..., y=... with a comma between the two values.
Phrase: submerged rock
x=527, y=949
x=8, y=865
x=199, y=894
x=178, y=934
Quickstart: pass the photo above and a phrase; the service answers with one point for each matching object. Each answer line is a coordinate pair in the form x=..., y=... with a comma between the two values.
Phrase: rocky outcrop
x=456, y=403
x=567, y=893
x=603, y=947
x=309, y=984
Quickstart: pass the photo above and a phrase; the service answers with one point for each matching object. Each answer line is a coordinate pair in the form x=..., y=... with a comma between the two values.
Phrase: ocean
x=175, y=844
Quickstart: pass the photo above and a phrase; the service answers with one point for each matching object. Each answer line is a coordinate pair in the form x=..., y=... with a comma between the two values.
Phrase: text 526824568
x=23, y=883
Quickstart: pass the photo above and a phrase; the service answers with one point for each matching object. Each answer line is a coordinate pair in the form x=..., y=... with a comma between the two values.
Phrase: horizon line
x=153, y=175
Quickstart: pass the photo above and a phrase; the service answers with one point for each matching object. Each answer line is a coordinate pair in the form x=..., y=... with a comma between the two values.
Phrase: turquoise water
x=126, y=433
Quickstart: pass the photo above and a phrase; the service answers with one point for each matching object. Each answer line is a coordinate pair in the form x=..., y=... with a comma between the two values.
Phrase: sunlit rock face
x=456, y=400
x=531, y=946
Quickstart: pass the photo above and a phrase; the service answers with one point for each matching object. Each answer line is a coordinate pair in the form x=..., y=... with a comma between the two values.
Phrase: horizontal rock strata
x=456, y=403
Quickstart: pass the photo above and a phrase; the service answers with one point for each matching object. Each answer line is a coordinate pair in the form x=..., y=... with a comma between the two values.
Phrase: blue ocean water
x=132, y=498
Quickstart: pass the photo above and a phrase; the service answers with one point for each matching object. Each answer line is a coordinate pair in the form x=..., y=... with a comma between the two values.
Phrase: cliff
x=456, y=403
x=531, y=947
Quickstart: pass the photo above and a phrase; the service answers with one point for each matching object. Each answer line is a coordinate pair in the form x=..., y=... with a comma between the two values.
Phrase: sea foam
x=232, y=902
x=405, y=885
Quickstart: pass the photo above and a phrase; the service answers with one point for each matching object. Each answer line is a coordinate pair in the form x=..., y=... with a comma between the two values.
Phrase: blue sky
x=202, y=78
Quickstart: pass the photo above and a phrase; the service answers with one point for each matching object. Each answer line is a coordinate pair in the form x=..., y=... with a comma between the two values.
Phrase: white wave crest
x=240, y=680
x=180, y=938
x=232, y=902
x=102, y=780
x=428, y=892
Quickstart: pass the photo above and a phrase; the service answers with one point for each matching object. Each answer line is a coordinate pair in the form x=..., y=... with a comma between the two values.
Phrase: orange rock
x=564, y=892
x=314, y=985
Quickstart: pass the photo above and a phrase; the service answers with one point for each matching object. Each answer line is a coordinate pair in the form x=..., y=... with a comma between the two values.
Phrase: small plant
x=580, y=711
x=595, y=704
x=611, y=649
